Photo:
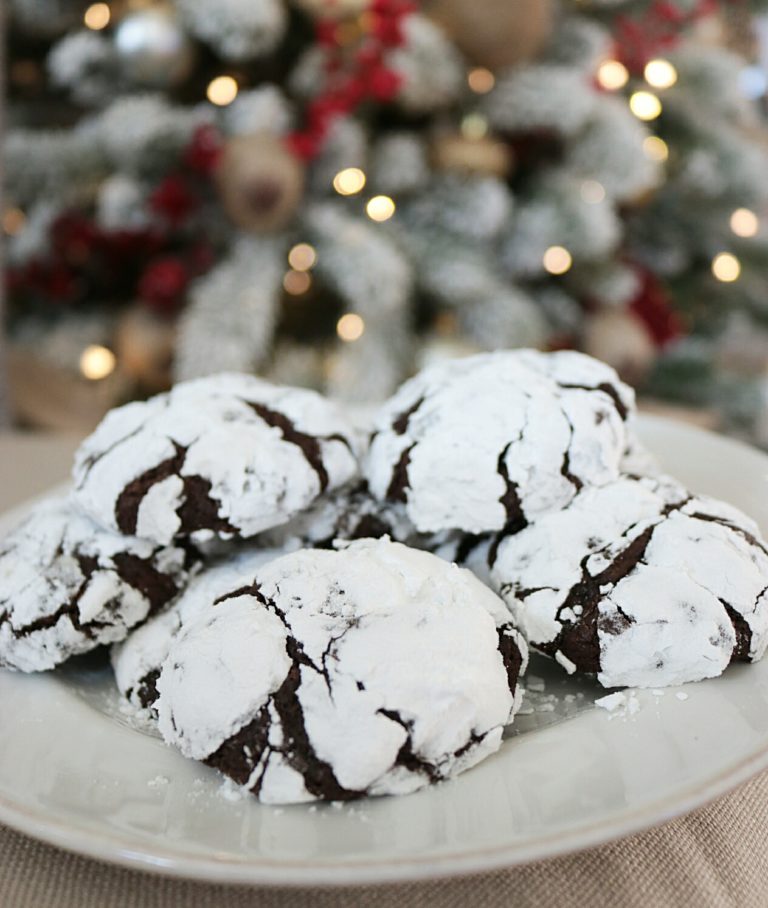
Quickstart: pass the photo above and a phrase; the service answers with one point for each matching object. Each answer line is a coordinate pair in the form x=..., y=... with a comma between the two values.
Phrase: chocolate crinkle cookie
x=67, y=586
x=376, y=669
x=138, y=659
x=639, y=582
x=230, y=455
x=499, y=439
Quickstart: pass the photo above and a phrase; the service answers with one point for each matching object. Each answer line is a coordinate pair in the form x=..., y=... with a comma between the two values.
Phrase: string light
x=481, y=80
x=726, y=267
x=380, y=208
x=222, y=90
x=474, y=127
x=592, y=192
x=612, y=75
x=645, y=105
x=13, y=221
x=349, y=181
x=296, y=283
x=744, y=223
x=655, y=148
x=302, y=257
x=660, y=74
x=557, y=260
x=350, y=327
x=97, y=362
x=97, y=16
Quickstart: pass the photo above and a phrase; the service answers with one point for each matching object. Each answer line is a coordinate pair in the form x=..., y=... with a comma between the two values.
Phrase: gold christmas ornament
x=621, y=340
x=260, y=182
x=144, y=344
x=333, y=9
x=494, y=33
x=484, y=156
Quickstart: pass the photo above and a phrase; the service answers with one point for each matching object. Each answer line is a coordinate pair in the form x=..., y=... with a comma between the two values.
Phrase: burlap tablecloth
x=717, y=856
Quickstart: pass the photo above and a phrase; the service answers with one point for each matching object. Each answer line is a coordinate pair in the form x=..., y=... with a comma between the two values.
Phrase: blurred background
x=333, y=193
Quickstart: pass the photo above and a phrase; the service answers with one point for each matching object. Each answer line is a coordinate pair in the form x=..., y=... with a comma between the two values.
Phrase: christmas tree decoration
x=483, y=155
x=334, y=9
x=237, y=30
x=333, y=191
x=260, y=182
x=144, y=346
x=86, y=64
x=620, y=339
x=230, y=320
x=495, y=33
x=152, y=47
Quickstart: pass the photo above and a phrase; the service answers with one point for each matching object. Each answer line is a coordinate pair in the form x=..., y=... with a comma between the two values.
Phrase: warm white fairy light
x=474, y=127
x=612, y=75
x=350, y=327
x=296, y=283
x=97, y=362
x=302, y=257
x=557, y=260
x=726, y=267
x=222, y=90
x=481, y=80
x=13, y=221
x=745, y=223
x=655, y=148
x=660, y=74
x=592, y=192
x=645, y=105
x=349, y=181
x=380, y=208
x=97, y=16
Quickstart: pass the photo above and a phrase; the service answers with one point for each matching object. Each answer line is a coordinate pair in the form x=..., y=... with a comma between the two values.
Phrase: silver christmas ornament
x=153, y=49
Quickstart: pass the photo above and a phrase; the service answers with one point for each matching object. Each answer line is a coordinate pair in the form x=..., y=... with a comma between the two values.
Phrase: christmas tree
x=333, y=192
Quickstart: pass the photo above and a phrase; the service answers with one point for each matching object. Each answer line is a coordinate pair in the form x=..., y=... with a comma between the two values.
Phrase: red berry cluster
x=353, y=80
x=654, y=306
x=642, y=37
x=155, y=264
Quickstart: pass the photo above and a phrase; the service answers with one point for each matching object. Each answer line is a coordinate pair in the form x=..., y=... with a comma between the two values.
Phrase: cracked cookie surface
x=498, y=439
x=332, y=675
x=229, y=455
x=640, y=582
x=67, y=586
x=138, y=659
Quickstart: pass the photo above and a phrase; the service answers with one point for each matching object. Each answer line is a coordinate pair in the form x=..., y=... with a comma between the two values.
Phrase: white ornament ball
x=621, y=340
x=153, y=48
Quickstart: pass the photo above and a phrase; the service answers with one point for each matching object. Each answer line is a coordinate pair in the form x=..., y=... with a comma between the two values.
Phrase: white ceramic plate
x=75, y=773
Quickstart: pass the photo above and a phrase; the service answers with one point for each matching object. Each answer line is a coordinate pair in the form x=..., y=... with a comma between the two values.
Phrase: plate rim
x=117, y=850
x=306, y=873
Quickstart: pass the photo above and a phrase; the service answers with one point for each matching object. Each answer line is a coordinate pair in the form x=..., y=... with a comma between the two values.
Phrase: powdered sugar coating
x=138, y=659
x=375, y=669
x=478, y=443
x=230, y=455
x=640, y=582
x=66, y=586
